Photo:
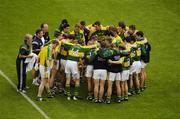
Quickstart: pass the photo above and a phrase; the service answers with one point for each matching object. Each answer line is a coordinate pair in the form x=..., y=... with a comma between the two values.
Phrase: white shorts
x=63, y=64
x=143, y=64
x=43, y=73
x=135, y=67
x=89, y=71
x=125, y=75
x=71, y=68
x=100, y=74
x=114, y=76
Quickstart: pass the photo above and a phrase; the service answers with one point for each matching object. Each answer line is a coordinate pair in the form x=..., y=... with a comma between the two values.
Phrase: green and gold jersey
x=98, y=33
x=45, y=56
x=89, y=56
x=137, y=51
x=107, y=52
x=63, y=52
x=75, y=51
x=122, y=36
x=79, y=35
x=117, y=40
x=126, y=63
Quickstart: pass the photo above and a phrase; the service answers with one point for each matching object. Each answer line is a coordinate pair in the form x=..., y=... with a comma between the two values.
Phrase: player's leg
x=130, y=89
x=77, y=87
x=96, y=90
x=125, y=91
x=101, y=90
x=41, y=89
x=62, y=75
x=136, y=82
x=47, y=83
x=96, y=85
x=110, y=80
x=122, y=90
x=118, y=88
x=103, y=77
x=137, y=78
x=42, y=84
x=88, y=74
x=68, y=80
x=125, y=78
x=53, y=73
x=142, y=79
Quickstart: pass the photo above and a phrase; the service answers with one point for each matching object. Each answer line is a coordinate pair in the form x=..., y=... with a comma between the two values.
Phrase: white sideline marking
x=25, y=96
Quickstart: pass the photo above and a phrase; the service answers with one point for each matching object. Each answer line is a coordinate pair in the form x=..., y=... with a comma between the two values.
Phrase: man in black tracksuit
x=24, y=52
x=37, y=43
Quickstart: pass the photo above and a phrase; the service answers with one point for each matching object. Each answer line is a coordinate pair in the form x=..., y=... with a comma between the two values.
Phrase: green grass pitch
x=159, y=19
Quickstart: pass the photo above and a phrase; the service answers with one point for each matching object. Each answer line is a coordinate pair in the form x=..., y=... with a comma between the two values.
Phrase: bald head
x=44, y=27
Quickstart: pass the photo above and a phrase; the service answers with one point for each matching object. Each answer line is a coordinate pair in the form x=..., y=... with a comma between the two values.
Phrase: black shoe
x=137, y=91
x=126, y=98
x=129, y=94
x=95, y=100
x=108, y=101
x=122, y=99
x=101, y=101
x=118, y=100
x=77, y=97
x=40, y=99
x=141, y=89
x=50, y=95
x=89, y=97
x=53, y=92
x=133, y=92
x=65, y=93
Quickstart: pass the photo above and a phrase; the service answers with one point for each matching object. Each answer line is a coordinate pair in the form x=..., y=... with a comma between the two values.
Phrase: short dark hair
x=122, y=25
x=64, y=21
x=57, y=33
x=133, y=27
x=65, y=26
x=130, y=38
x=55, y=42
x=38, y=31
x=140, y=33
x=98, y=23
x=42, y=25
x=83, y=23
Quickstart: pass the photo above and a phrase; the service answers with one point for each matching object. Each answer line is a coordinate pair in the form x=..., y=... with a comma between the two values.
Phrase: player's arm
x=120, y=61
x=22, y=53
x=118, y=52
x=67, y=45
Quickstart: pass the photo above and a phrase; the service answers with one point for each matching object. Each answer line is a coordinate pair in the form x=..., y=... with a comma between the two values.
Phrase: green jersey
x=24, y=50
x=78, y=35
x=89, y=56
x=122, y=36
x=137, y=51
x=75, y=51
x=99, y=33
x=63, y=52
x=107, y=52
x=126, y=63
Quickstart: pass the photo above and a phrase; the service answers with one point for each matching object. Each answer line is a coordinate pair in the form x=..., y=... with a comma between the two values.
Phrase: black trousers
x=21, y=73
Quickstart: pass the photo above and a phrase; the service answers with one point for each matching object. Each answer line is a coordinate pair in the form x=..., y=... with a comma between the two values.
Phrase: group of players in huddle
x=112, y=59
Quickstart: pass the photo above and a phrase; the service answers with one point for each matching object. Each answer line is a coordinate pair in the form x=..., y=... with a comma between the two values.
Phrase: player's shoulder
x=24, y=46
